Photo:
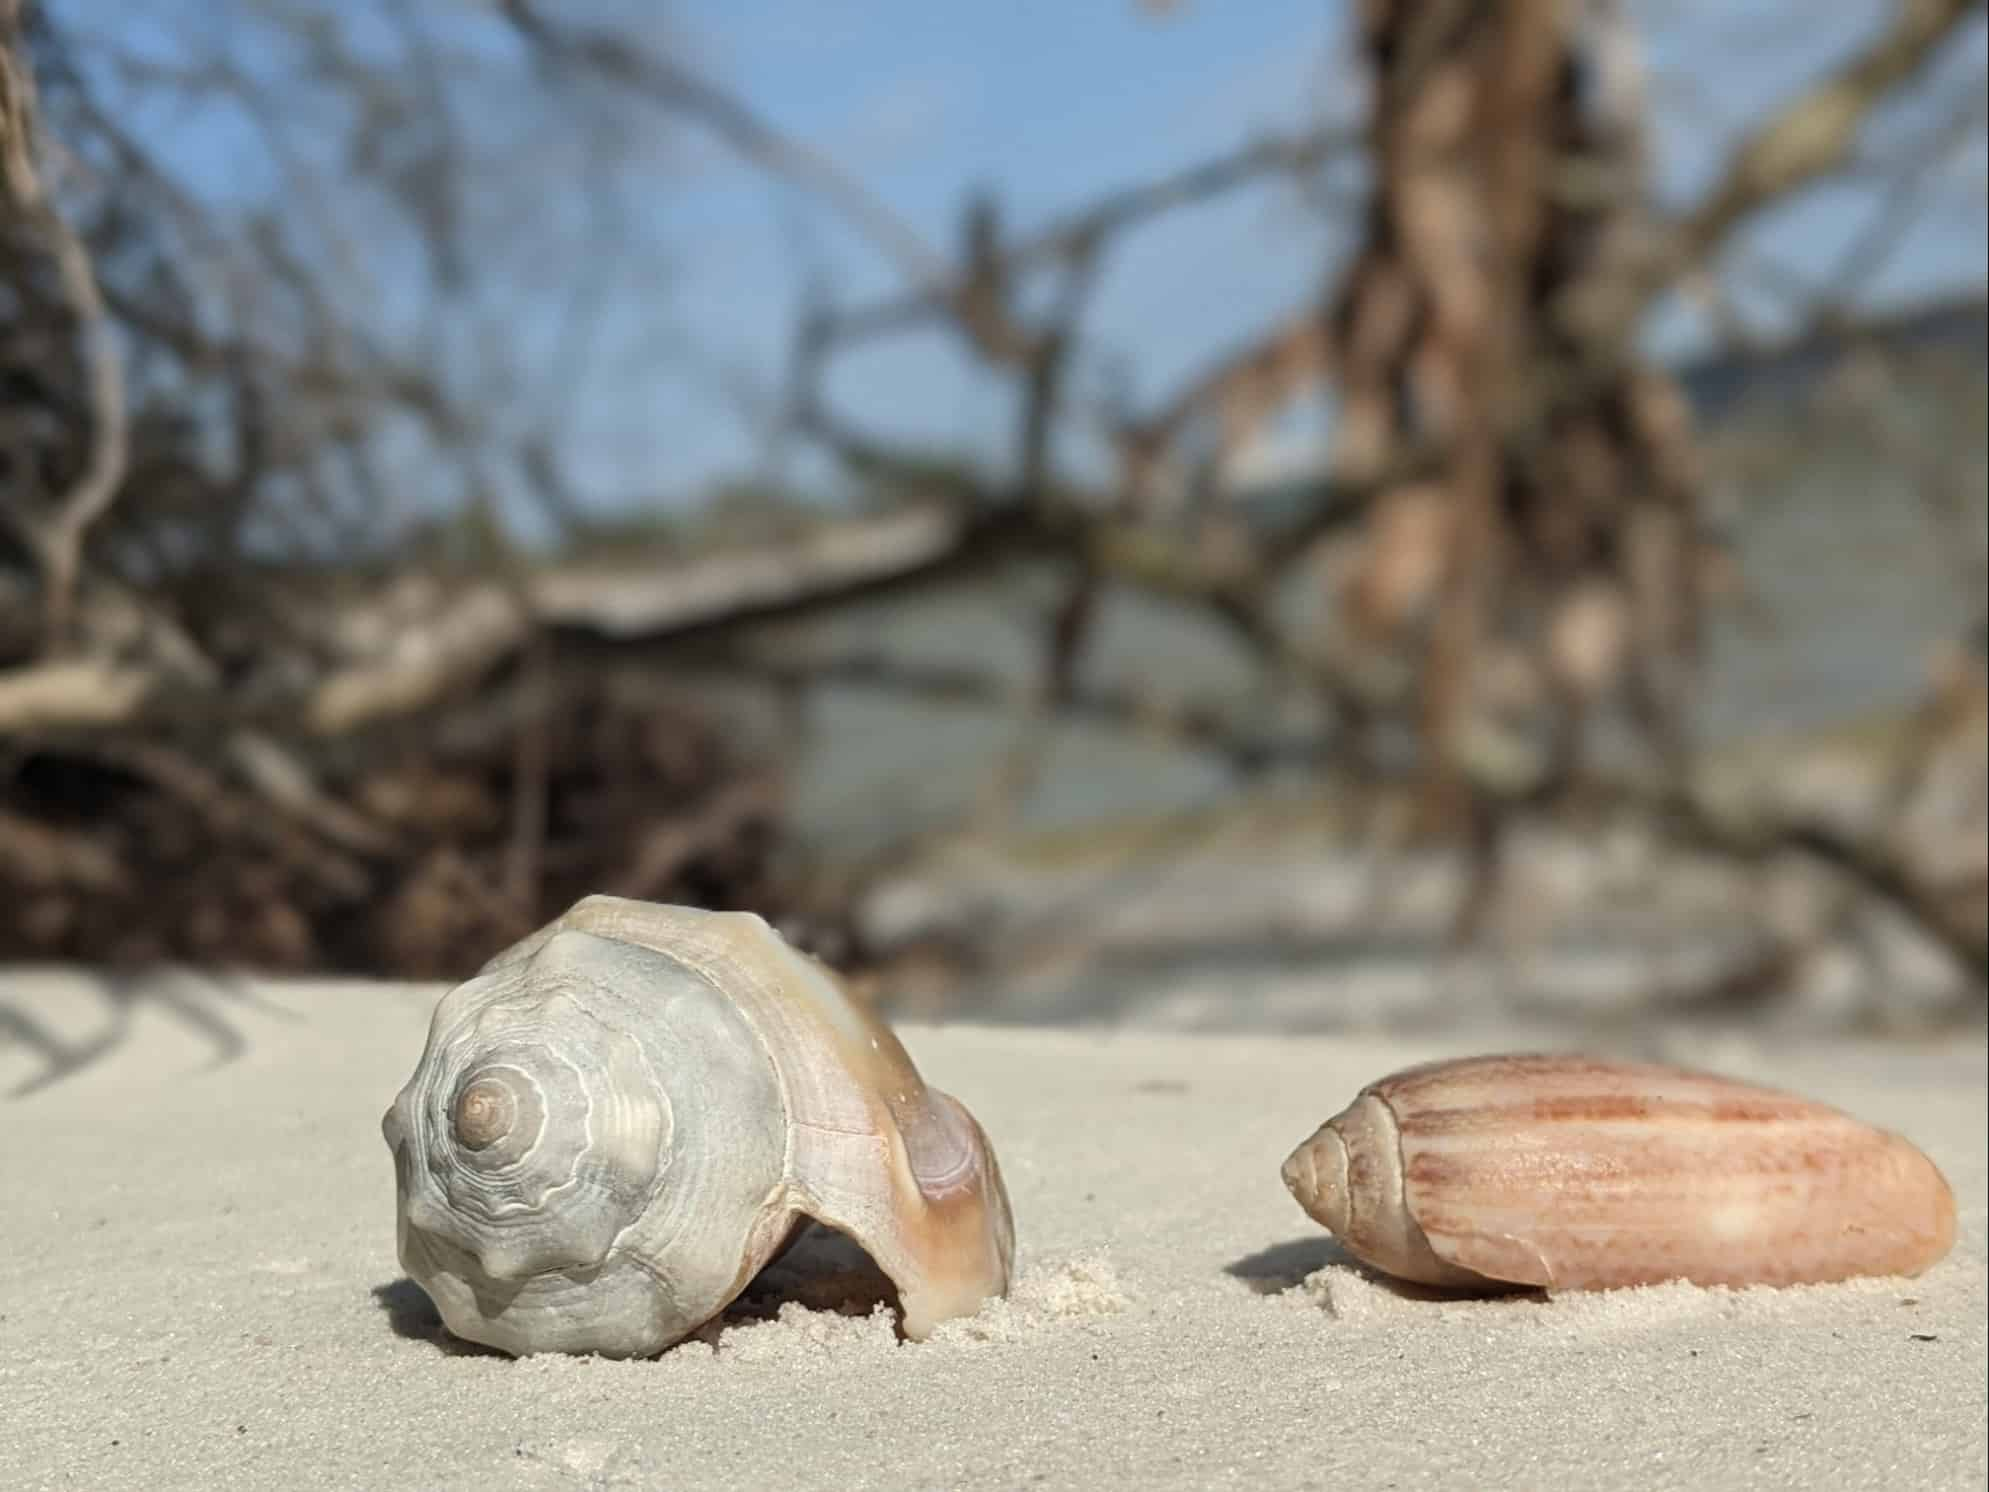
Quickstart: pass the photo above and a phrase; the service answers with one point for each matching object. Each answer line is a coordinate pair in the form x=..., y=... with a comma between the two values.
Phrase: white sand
x=198, y=1288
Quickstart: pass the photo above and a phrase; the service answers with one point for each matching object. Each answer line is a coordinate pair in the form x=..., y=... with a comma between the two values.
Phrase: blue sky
x=1042, y=104
x=1047, y=104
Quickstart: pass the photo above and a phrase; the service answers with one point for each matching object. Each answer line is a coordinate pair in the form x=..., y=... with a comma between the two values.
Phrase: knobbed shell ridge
x=1568, y=1173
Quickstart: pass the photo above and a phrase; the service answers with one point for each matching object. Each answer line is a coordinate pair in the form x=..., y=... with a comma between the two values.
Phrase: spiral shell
x=1567, y=1173
x=620, y=1120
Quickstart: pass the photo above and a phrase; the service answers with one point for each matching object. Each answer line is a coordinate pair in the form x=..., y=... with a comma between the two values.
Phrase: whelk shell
x=1570, y=1173
x=622, y=1118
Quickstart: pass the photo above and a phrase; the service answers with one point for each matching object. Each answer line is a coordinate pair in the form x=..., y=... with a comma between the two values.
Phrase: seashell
x=623, y=1117
x=1567, y=1173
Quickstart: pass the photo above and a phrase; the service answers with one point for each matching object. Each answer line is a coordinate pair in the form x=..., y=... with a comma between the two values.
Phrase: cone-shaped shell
x=1568, y=1173
x=623, y=1117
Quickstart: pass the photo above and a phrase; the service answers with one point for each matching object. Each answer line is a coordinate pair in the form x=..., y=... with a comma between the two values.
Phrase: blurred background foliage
x=1288, y=519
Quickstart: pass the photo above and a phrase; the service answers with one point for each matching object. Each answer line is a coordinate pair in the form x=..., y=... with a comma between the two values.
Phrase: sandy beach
x=198, y=1289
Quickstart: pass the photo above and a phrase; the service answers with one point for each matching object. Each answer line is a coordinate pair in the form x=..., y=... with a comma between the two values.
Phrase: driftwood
x=396, y=850
x=242, y=716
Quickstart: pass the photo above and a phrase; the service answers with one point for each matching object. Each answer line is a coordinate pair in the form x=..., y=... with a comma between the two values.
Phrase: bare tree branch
x=671, y=84
x=1079, y=234
x=1816, y=132
x=57, y=537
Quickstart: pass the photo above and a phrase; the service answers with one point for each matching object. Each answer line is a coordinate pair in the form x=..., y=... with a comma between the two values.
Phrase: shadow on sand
x=411, y=1314
x=1286, y=1266
x=207, y=1004
x=821, y=1271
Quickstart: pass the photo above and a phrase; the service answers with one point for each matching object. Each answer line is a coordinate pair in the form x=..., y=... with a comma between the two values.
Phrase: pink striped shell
x=1570, y=1173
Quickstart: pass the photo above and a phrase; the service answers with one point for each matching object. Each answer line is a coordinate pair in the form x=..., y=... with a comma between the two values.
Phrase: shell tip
x=1298, y=1172
x=1316, y=1175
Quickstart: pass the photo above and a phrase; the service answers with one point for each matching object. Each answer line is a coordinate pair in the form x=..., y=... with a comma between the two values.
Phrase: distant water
x=1856, y=582
x=1857, y=585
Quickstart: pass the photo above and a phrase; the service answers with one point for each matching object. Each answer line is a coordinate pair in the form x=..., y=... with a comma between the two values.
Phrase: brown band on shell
x=496, y=1115
x=485, y=1112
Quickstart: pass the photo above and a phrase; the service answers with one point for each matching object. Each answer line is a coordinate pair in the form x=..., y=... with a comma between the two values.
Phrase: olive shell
x=1571, y=1173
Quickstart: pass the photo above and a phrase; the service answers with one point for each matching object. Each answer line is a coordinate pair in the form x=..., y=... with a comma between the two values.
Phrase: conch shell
x=621, y=1119
x=1567, y=1173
